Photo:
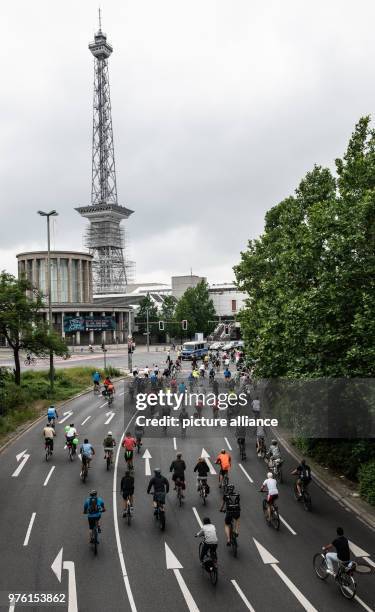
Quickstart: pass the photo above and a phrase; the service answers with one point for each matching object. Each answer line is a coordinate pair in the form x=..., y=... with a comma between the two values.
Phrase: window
x=234, y=305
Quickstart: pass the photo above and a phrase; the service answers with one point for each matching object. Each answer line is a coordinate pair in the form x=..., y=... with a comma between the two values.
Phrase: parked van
x=194, y=349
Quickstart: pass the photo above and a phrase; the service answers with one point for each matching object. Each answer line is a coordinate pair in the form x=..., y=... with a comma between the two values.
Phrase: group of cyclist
x=109, y=388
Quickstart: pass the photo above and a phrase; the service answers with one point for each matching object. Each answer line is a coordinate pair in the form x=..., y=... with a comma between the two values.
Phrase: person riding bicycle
x=227, y=374
x=241, y=436
x=202, y=370
x=52, y=414
x=94, y=506
x=70, y=436
x=182, y=388
x=202, y=469
x=96, y=379
x=178, y=467
x=109, y=443
x=261, y=435
x=129, y=443
x=231, y=507
x=225, y=461
x=48, y=434
x=211, y=375
x=303, y=473
x=138, y=434
x=208, y=532
x=341, y=543
x=87, y=452
x=273, y=453
x=109, y=388
x=161, y=487
x=270, y=485
x=127, y=489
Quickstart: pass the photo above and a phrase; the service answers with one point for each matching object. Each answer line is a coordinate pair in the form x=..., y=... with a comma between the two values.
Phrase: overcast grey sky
x=219, y=108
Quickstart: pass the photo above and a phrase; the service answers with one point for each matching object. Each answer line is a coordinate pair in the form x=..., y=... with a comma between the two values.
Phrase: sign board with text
x=78, y=324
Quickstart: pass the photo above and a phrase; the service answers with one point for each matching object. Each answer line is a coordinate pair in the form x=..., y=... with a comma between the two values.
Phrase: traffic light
x=161, y=325
x=184, y=325
x=226, y=329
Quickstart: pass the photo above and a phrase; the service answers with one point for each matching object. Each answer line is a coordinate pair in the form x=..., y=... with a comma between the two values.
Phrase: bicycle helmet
x=93, y=493
x=71, y=425
x=109, y=433
x=274, y=442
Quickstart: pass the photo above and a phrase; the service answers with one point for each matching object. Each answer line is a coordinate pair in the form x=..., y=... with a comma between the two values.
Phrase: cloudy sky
x=219, y=108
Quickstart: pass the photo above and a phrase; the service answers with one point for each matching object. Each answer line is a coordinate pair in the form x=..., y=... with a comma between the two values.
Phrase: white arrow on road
x=267, y=558
x=66, y=416
x=57, y=566
x=110, y=416
x=147, y=456
x=26, y=457
x=205, y=454
x=359, y=552
x=175, y=565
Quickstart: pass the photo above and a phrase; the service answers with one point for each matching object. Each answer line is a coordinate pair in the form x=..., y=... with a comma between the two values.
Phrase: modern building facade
x=181, y=283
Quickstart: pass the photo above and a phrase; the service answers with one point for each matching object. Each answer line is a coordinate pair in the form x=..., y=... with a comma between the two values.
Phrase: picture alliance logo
x=178, y=400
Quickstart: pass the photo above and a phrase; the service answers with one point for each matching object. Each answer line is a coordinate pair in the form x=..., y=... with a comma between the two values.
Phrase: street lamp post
x=52, y=213
x=147, y=331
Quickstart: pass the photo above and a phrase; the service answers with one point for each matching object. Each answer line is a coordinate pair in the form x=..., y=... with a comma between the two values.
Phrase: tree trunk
x=17, y=366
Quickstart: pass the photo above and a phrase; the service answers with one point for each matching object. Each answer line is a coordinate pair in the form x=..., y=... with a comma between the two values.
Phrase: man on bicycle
x=178, y=467
x=231, y=507
x=241, y=436
x=161, y=487
x=52, y=415
x=270, y=485
x=202, y=470
x=87, y=452
x=261, y=435
x=273, y=453
x=48, y=434
x=129, y=444
x=225, y=461
x=109, y=388
x=109, y=443
x=96, y=379
x=341, y=544
x=94, y=506
x=127, y=489
x=227, y=374
x=208, y=532
x=70, y=435
x=303, y=473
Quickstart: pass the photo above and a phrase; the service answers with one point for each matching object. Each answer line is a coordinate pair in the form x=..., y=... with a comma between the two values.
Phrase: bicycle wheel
x=129, y=516
x=307, y=501
x=108, y=461
x=348, y=585
x=295, y=492
x=200, y=549
x=162, y=520
x=96, y=542
x=213, y=574
x=204, y=497
x=47, y=453
x=320, y=566
x=233, y=541
x=179, y=496
x=275, y=519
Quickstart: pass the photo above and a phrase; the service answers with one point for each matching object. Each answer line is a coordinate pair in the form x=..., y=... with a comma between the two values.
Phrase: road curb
x=366, y=517
x=40, y=418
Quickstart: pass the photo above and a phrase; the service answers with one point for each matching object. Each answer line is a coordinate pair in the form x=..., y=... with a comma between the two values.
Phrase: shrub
x=367, y=482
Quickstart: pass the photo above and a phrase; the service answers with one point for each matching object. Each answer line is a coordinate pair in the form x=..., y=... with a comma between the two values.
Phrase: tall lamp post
x=52, y=213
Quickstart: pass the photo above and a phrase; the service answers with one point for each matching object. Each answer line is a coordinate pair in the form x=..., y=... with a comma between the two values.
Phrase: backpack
x=93, y=506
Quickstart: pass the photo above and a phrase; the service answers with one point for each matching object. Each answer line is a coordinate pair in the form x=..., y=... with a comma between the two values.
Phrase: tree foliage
x=310, y=276
x=153, y=316
x=197, y=308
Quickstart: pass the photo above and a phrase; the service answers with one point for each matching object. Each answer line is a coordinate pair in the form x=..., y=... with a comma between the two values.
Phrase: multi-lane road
x=44, y=536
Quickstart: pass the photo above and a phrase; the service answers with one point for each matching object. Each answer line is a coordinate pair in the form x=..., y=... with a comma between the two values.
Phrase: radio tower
x=105, y=238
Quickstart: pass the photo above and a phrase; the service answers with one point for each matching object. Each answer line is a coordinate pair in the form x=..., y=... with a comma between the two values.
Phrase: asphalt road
x=41, y=513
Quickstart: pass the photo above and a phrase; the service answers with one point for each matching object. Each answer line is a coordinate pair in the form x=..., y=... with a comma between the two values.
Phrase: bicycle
x=344, y=577
x=95, y=537
x=242, y=448
x=48, y=449
x=108, y=456
x=128, y=513
x=225, y=482
x=179, y=488
x=30, y=361
x=276, y=470
x=305, y=496
x=129, y=460
x=261, y=448
x=202, y=489
x=71, y=450
x=210, y=562
x=96, y=389
x=138, y=444
x=275, y=518
x=160, y=514
x=84, y=469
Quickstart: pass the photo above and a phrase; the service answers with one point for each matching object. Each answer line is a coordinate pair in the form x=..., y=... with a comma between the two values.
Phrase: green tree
x=141, y=318
x=172, y=328
x=21, y=321
x=197, y=308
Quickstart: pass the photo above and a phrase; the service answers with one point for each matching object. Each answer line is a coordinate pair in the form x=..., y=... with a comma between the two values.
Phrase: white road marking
x=57, y=567
x=110, y=416
x=369, y=561
x=174, y=444
x=147, y=456
x=197, y=517
x=243, y=596
x=28, y=532
x=117, y=532
x=102, y=405
x=173, y=564
x=86, y=419
x=66, y=416
x=206, y=456
x=12, y=607
x=25, y=459
x=246, y=474
x=362, y=603
x=49, y=476
x=359, y=552
x=227, y=443
x=287, y=525
x=269, y=559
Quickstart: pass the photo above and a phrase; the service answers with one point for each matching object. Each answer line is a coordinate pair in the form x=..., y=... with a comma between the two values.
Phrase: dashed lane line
x=28, y=532
x=243, y=596
x=197, y=517
x=49, y=475
x=246, y=474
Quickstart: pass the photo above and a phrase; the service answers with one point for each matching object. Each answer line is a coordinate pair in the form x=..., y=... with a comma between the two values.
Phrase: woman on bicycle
x=225, y=461
x=270, y=485
x=129, y=444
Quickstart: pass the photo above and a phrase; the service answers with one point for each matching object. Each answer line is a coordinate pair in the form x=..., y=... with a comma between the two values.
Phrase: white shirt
x=209, y=534
x=145, y=371
x=271, y=485
x=71, y=433
x=256, y=405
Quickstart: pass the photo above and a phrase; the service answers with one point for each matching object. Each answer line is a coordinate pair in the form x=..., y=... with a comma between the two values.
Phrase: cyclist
x=342, y=553
x=127, y=489
x=181, y=387
x=109, y=443
x=96, y=379
x=202, y=370
x=199, y=408
x=202, y=469
x=225, y=461
x=174, y=384
x=129, y=444
x=270, y=485
x=138, y=434
x=70, y=435
x=273, y=453
x=48, y=434
x=208, y=532
x=303, y=473
x=52, y=415
x=231, y=507
x=178, y=467
x=227, y=374
x=161, y=487
x=211, y=376
x=241, y=436
x=261, y=435
x=94, y=506
x=87, y=452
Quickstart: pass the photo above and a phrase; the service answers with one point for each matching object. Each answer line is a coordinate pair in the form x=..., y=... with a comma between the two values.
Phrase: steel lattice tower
x=105, y=237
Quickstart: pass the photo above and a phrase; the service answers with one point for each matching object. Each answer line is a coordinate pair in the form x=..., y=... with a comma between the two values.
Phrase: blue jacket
x=100, y=506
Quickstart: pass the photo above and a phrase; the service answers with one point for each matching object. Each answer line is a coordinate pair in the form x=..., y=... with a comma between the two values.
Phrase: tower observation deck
x=104, y=237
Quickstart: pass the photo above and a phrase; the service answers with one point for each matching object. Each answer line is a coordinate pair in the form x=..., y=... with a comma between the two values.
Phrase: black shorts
x=177, y=477
x=232, y=515
x=93, y=521
x=126, y=494
x=223, y=472
x=129, y=455
x=159, y=497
